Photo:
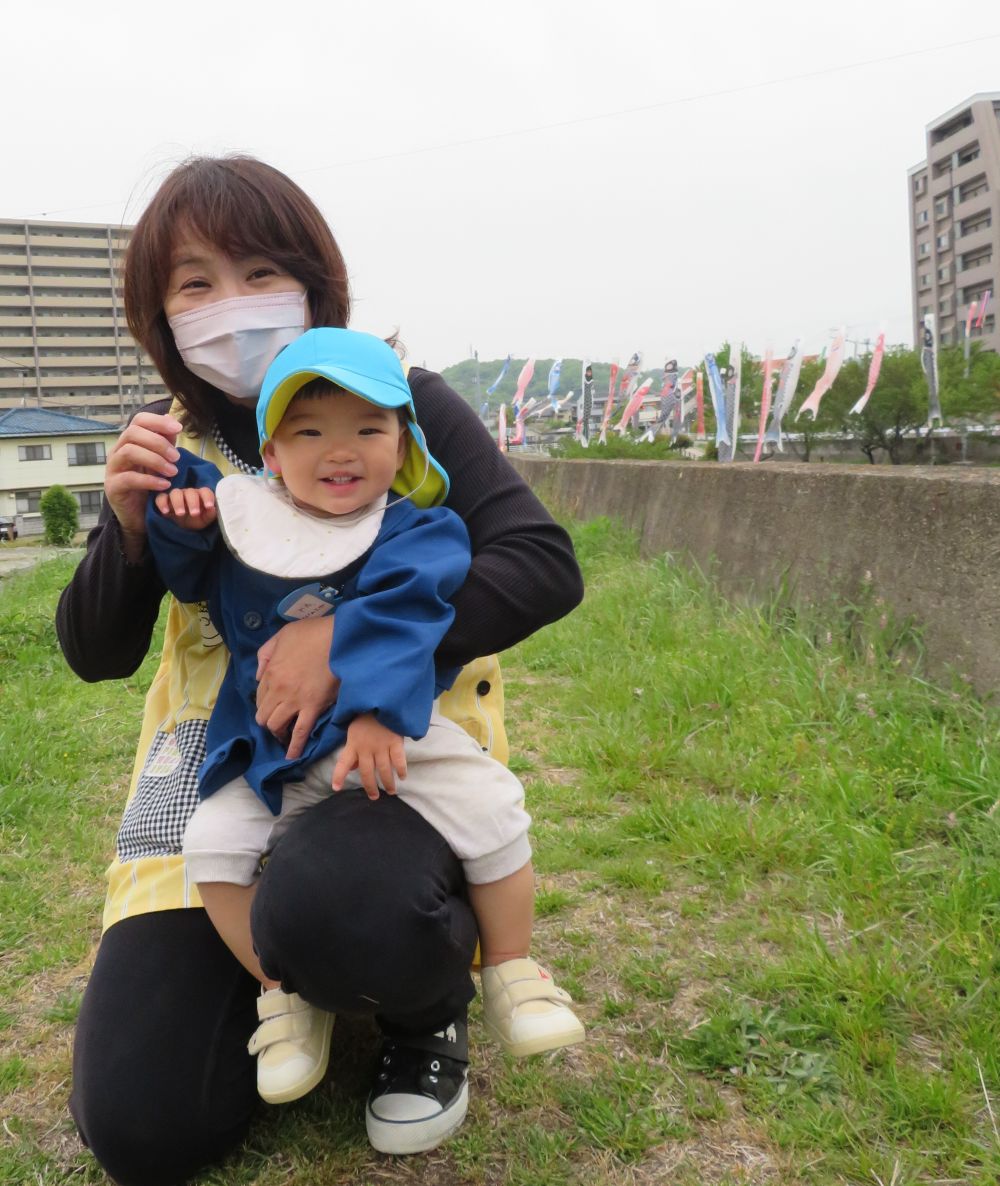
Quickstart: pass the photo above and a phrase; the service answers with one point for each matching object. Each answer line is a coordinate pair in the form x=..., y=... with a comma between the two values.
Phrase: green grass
x=769, y=871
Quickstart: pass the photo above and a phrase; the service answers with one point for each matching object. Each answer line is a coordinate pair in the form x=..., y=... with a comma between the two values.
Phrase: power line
x=584, y=119
x=660, y=104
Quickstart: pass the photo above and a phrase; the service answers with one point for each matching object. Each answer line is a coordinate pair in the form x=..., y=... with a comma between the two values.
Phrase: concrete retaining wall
x=929, y=538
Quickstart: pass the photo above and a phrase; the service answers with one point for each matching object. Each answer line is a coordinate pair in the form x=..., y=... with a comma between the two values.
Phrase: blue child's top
x=394, y=574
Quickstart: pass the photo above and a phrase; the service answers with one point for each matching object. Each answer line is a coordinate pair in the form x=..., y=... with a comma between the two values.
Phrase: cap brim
x=367, y=367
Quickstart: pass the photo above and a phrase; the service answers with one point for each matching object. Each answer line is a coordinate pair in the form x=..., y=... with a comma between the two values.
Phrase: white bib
x=266, y=531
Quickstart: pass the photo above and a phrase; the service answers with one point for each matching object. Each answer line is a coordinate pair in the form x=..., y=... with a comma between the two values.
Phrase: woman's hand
x=141, y=460
x=295, y=680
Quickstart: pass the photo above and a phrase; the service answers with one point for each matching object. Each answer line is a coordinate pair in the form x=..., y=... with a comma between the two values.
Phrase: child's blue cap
x=367, y=367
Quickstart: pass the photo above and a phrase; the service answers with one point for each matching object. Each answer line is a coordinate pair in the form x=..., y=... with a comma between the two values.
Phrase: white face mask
x=230, y=344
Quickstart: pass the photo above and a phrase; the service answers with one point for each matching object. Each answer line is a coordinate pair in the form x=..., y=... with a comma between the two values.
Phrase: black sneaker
x=420, y=1095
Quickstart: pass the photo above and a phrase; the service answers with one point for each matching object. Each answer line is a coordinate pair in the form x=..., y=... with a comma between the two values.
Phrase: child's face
x=337, y=452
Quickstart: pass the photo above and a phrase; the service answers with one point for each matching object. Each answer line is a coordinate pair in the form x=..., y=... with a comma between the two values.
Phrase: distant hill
x=462, y=376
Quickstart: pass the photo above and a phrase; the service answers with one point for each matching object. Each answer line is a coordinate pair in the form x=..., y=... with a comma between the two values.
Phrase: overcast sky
x=541, y=177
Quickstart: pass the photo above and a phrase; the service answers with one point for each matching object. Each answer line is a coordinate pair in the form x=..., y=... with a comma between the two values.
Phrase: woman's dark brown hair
x=243, y=207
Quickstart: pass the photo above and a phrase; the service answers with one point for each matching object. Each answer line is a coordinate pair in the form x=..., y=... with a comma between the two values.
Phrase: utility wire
x=584, y=119
x=659, y=105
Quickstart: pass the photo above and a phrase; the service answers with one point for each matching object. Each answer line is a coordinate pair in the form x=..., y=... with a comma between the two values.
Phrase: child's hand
x=189, y=508
x=370, y=749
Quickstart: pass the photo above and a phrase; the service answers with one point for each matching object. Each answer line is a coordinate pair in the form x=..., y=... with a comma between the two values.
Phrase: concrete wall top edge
x=820, y=471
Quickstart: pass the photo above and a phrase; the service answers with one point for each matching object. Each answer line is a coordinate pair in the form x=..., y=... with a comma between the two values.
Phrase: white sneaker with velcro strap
x=292, y=1045
x=526, y=1011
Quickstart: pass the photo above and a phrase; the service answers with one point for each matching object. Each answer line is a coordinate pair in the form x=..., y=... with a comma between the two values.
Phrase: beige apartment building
x=64, y=344
x=955, y=221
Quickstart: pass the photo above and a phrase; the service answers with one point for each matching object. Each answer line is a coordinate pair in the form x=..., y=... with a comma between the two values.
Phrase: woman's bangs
x=234, y=228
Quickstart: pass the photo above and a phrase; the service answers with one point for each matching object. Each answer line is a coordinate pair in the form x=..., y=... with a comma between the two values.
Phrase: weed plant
x=769, y=870
x=618, y=448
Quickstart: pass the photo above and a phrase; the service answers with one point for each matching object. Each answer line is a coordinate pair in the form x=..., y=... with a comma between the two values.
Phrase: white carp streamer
x=834, y=361
x=873, y=369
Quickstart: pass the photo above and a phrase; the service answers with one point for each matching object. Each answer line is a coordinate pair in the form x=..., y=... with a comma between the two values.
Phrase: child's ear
x=270, y=461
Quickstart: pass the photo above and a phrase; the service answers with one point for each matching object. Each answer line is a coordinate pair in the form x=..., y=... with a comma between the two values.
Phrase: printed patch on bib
x=165, y=795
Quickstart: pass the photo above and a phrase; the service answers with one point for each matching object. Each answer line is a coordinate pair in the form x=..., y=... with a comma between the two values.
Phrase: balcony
x=92, y=265
x=44, y=302
x=971, y=205
x=52, y=344
x=69, y=242
x=972, y=171
x=56, y=282
x=86, y=363
x=980, y=236
x=980, y=274
x=74, y=382
x=952, y=127
x=70, y=323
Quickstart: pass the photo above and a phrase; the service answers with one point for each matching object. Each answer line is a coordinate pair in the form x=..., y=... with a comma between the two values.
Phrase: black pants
x=361, y=909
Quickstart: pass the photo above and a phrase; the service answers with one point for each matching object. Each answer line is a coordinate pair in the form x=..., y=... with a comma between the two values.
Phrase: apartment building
x=64, y=344
x=955, y=221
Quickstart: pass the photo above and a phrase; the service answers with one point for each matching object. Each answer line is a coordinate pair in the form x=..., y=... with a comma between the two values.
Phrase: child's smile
x=336, y=452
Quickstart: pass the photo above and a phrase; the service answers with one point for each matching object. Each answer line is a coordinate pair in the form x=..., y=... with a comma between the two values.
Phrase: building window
x=942, y=242
x=944, y=273
x=973, y=188
x=940, y=207
x=925, y=279
x=924, y=310
x=978, y=222
x=923, y=217
x=89, y=500
x=34, y=452
x=28, y=502
x=924, y=249
x=975, y=258
x=953, y=126
x=89, y=454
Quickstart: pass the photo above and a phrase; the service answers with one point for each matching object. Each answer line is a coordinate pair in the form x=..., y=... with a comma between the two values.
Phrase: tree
x=897, y=408
x=60, y=514
x=972, y=399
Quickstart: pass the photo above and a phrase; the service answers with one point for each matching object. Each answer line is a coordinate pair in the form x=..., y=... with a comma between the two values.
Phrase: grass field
x=769, y=873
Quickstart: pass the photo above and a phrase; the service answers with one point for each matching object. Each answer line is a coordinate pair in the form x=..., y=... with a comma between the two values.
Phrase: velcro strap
x=522, y=991
x=278, y=1004
x=279, y=1029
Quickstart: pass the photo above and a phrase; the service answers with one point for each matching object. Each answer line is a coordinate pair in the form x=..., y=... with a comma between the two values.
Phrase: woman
x=362, y=906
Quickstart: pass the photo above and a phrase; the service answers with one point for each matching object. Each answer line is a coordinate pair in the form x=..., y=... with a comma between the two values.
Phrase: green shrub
x=616, y=449
x=60, y=514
